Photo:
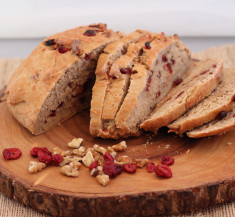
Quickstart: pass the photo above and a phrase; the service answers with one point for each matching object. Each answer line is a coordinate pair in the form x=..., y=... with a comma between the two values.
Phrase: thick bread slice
x=52, y=84
x=217, y=127
x=207, y=110
x=166, y=61
x=120, y=72
x=103, y=77
x=201, y=79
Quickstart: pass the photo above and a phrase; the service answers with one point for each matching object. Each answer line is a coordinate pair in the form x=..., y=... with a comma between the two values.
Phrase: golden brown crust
x=191, y=91
x=35, y=77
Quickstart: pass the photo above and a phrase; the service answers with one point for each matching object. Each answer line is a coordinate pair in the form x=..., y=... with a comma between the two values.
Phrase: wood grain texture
x=203, y=173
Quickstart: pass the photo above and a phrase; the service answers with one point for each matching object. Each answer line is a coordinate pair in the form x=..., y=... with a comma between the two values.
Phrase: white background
x=200, y=23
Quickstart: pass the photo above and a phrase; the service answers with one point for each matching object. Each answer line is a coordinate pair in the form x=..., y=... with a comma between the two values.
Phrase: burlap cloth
x=11, y=208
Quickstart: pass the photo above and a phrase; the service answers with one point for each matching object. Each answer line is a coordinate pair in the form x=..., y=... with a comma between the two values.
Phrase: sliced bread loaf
x=54, y=82
x=104, y=76
x=216, y=127
x=150, y=74
x=221, y=100
x=200, y=80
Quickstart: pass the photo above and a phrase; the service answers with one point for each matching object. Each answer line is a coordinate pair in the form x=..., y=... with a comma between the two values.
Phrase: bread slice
x=219, y=101
x=104, y=76
x=120, y=73
x=216, y=127
x=54, y=82
x=201, y=79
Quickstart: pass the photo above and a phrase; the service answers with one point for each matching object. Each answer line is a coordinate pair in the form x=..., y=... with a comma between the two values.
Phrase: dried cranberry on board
x=57, y=159
x=111, y=169
x=130, y=168
x=150, y=167
x=11, y=153
x=45, y=157
x=163, y=171
x=50, y=42
x=34, y=151
x=89, y=32
x=93, y=165
x=108, y=157
x=167, y=160
x=147, y=45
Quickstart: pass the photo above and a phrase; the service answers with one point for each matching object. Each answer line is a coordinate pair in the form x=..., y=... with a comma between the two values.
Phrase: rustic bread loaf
x=216, y=127
x=54, y=82
x=221, y=100
x=200, y=80
x=110, y=55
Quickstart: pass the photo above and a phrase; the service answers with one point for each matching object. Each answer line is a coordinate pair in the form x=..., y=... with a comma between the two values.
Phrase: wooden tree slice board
x=203, y=173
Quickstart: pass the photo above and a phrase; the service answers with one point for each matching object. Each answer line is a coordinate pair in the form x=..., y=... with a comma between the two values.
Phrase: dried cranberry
x=45, y=149
x=11, y=153
x=204, y=72
x=147, y=45
x=93, y=165
x=233, y=99
x=221, y=115
x=178, y=81
x=149, y=83
x=164, y=58
x=172, y=61
x=179, y=94
x=112, y=169
x=89, y=32
x=62, y=49
x=158, y=94
x=87, y=56
x=108, y=157
x=167, y=160
x=44, y=157
x=125, y=71
x=57, y=159
x=50, y=42
x=34, y=151
x=168, y=65
x=130, y=168
x=163, y=171
x=52, y=114
x=150, y=167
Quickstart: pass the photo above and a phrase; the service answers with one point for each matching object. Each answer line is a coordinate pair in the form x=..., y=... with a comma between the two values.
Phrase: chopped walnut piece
x=94, y=172
x=112, y=152
x=69, y=170
x=57, y=151
x=120, y=146
x=36, y=166
x=98, y=157
x=124, y=159
x=141, y=162
x=80, y=151
x=103, y=179
x=99, y=149
x=69, y=159
x=66, y=153
x=100, y=170
x=88, y=159
x=75, y=143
